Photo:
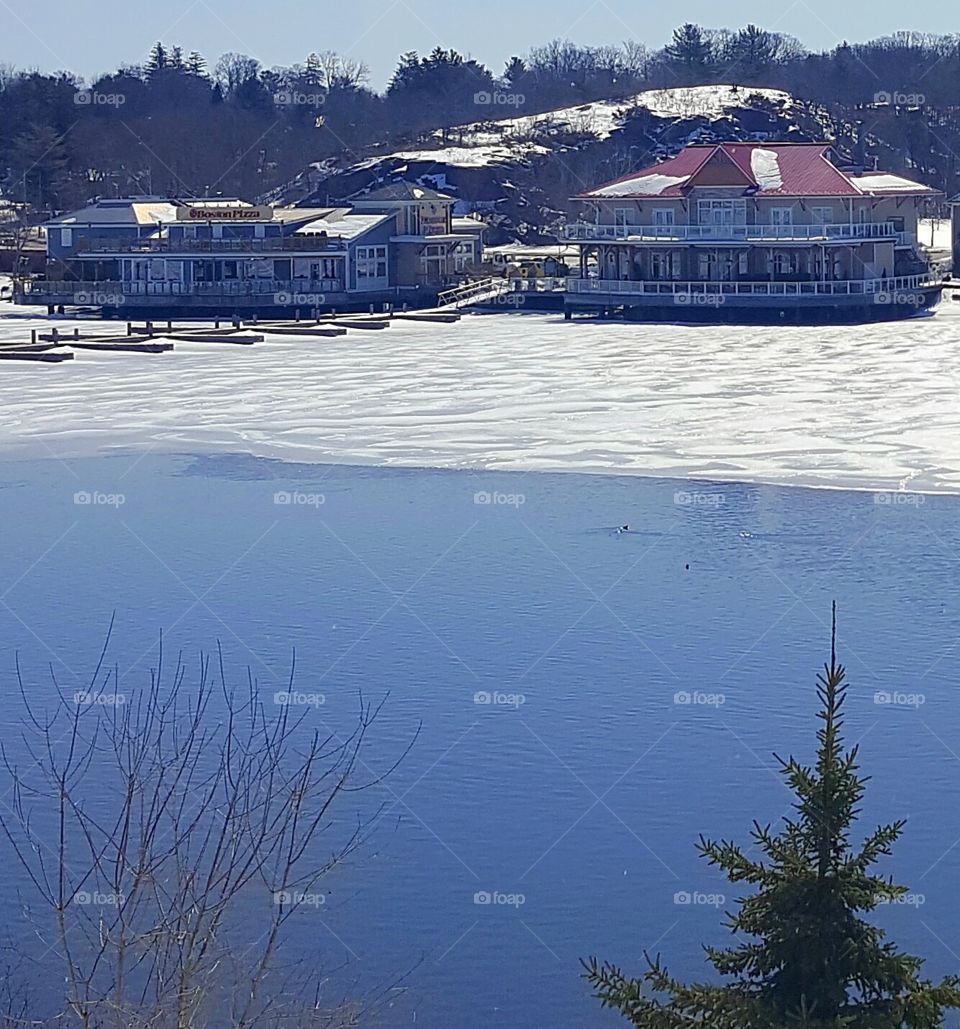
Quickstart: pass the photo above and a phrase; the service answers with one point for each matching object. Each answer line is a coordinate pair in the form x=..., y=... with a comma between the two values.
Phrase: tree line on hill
x=174, y=125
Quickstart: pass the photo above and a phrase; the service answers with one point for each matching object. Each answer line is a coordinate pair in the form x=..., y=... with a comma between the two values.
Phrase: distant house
x=771, y=228
x=228, y=256
x=427, y=246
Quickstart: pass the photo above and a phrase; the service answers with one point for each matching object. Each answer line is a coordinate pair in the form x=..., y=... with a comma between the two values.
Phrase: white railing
x=778, y=289
x=747, y=233
x=470, y=292
x=237, y=288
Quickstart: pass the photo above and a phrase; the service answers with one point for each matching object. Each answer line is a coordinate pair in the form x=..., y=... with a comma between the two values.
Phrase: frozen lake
x=861, y=406
x=476, y=576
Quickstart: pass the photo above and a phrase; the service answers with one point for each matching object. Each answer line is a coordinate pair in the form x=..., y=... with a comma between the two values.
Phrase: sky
x=90, y=39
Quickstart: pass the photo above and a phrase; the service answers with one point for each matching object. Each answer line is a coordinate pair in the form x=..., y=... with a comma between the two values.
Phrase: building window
x=66, y=238
x=821, y=215
x=259, y=231
x=371, y=263
x=781, y=216
x=621, y=216
x=664, y=265
x=723, y=212
x=663, y=216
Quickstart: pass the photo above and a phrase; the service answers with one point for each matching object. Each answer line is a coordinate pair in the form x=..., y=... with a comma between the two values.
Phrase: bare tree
x=222, y=814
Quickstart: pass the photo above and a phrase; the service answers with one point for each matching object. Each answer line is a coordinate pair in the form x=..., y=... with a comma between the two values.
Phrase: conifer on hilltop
x=811, y=959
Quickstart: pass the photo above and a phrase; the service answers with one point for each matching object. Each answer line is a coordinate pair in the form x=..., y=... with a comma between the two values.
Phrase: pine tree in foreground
x=812, y=960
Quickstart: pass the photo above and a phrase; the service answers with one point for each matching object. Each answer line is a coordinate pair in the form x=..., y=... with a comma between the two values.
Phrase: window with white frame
x=66, y=238
x=723, y=212
x=371, y=263
x=663, y=216
x=781, y=216
x=462, y=255
x=821, y=215
x=621, y=216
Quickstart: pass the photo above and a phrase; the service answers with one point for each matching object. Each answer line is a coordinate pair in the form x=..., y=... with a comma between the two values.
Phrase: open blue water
x=658, y=669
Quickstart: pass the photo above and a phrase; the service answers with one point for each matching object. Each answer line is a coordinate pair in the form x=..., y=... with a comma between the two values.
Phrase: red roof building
x=758, y=226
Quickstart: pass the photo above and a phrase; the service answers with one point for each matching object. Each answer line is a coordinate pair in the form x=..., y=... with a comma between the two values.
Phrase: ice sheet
x=864, y=406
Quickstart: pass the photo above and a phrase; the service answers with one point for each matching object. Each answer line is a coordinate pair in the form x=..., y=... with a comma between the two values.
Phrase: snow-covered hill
x=484, y=143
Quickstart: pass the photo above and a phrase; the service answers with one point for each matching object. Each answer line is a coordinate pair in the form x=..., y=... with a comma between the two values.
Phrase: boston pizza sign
x=224, y=214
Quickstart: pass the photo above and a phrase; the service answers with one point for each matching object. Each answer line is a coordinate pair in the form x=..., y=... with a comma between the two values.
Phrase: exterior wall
x=902, y=211
x=377, y=237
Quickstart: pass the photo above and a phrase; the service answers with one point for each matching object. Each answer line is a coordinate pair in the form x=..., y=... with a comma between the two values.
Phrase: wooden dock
x=43, y=356
x=58, y=345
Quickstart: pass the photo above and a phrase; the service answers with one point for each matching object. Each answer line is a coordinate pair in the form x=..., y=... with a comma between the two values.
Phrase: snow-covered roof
x=344, y=224
x=401, y=192
x=119, y=212
x=884, y=182
x=756, y=169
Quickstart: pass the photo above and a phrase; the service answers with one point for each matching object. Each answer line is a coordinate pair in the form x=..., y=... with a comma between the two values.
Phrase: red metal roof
x=772, y=169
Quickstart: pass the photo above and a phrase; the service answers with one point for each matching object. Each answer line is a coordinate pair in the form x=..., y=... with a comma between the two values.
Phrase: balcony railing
x=774, y=289
x=155, y=247
x=724, y=233
x=238, y=288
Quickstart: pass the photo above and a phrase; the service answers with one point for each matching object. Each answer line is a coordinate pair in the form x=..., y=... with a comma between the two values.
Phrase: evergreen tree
x=197, y=64
x=812, y=961
x=753, y=52
x=514, y=72
x=689, y=52
x=157, y=60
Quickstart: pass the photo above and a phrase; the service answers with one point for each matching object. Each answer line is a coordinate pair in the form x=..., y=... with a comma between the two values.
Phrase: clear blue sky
x=90, y=37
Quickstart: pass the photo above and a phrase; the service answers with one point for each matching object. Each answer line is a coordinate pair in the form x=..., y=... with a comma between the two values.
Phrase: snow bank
x=765, y=165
